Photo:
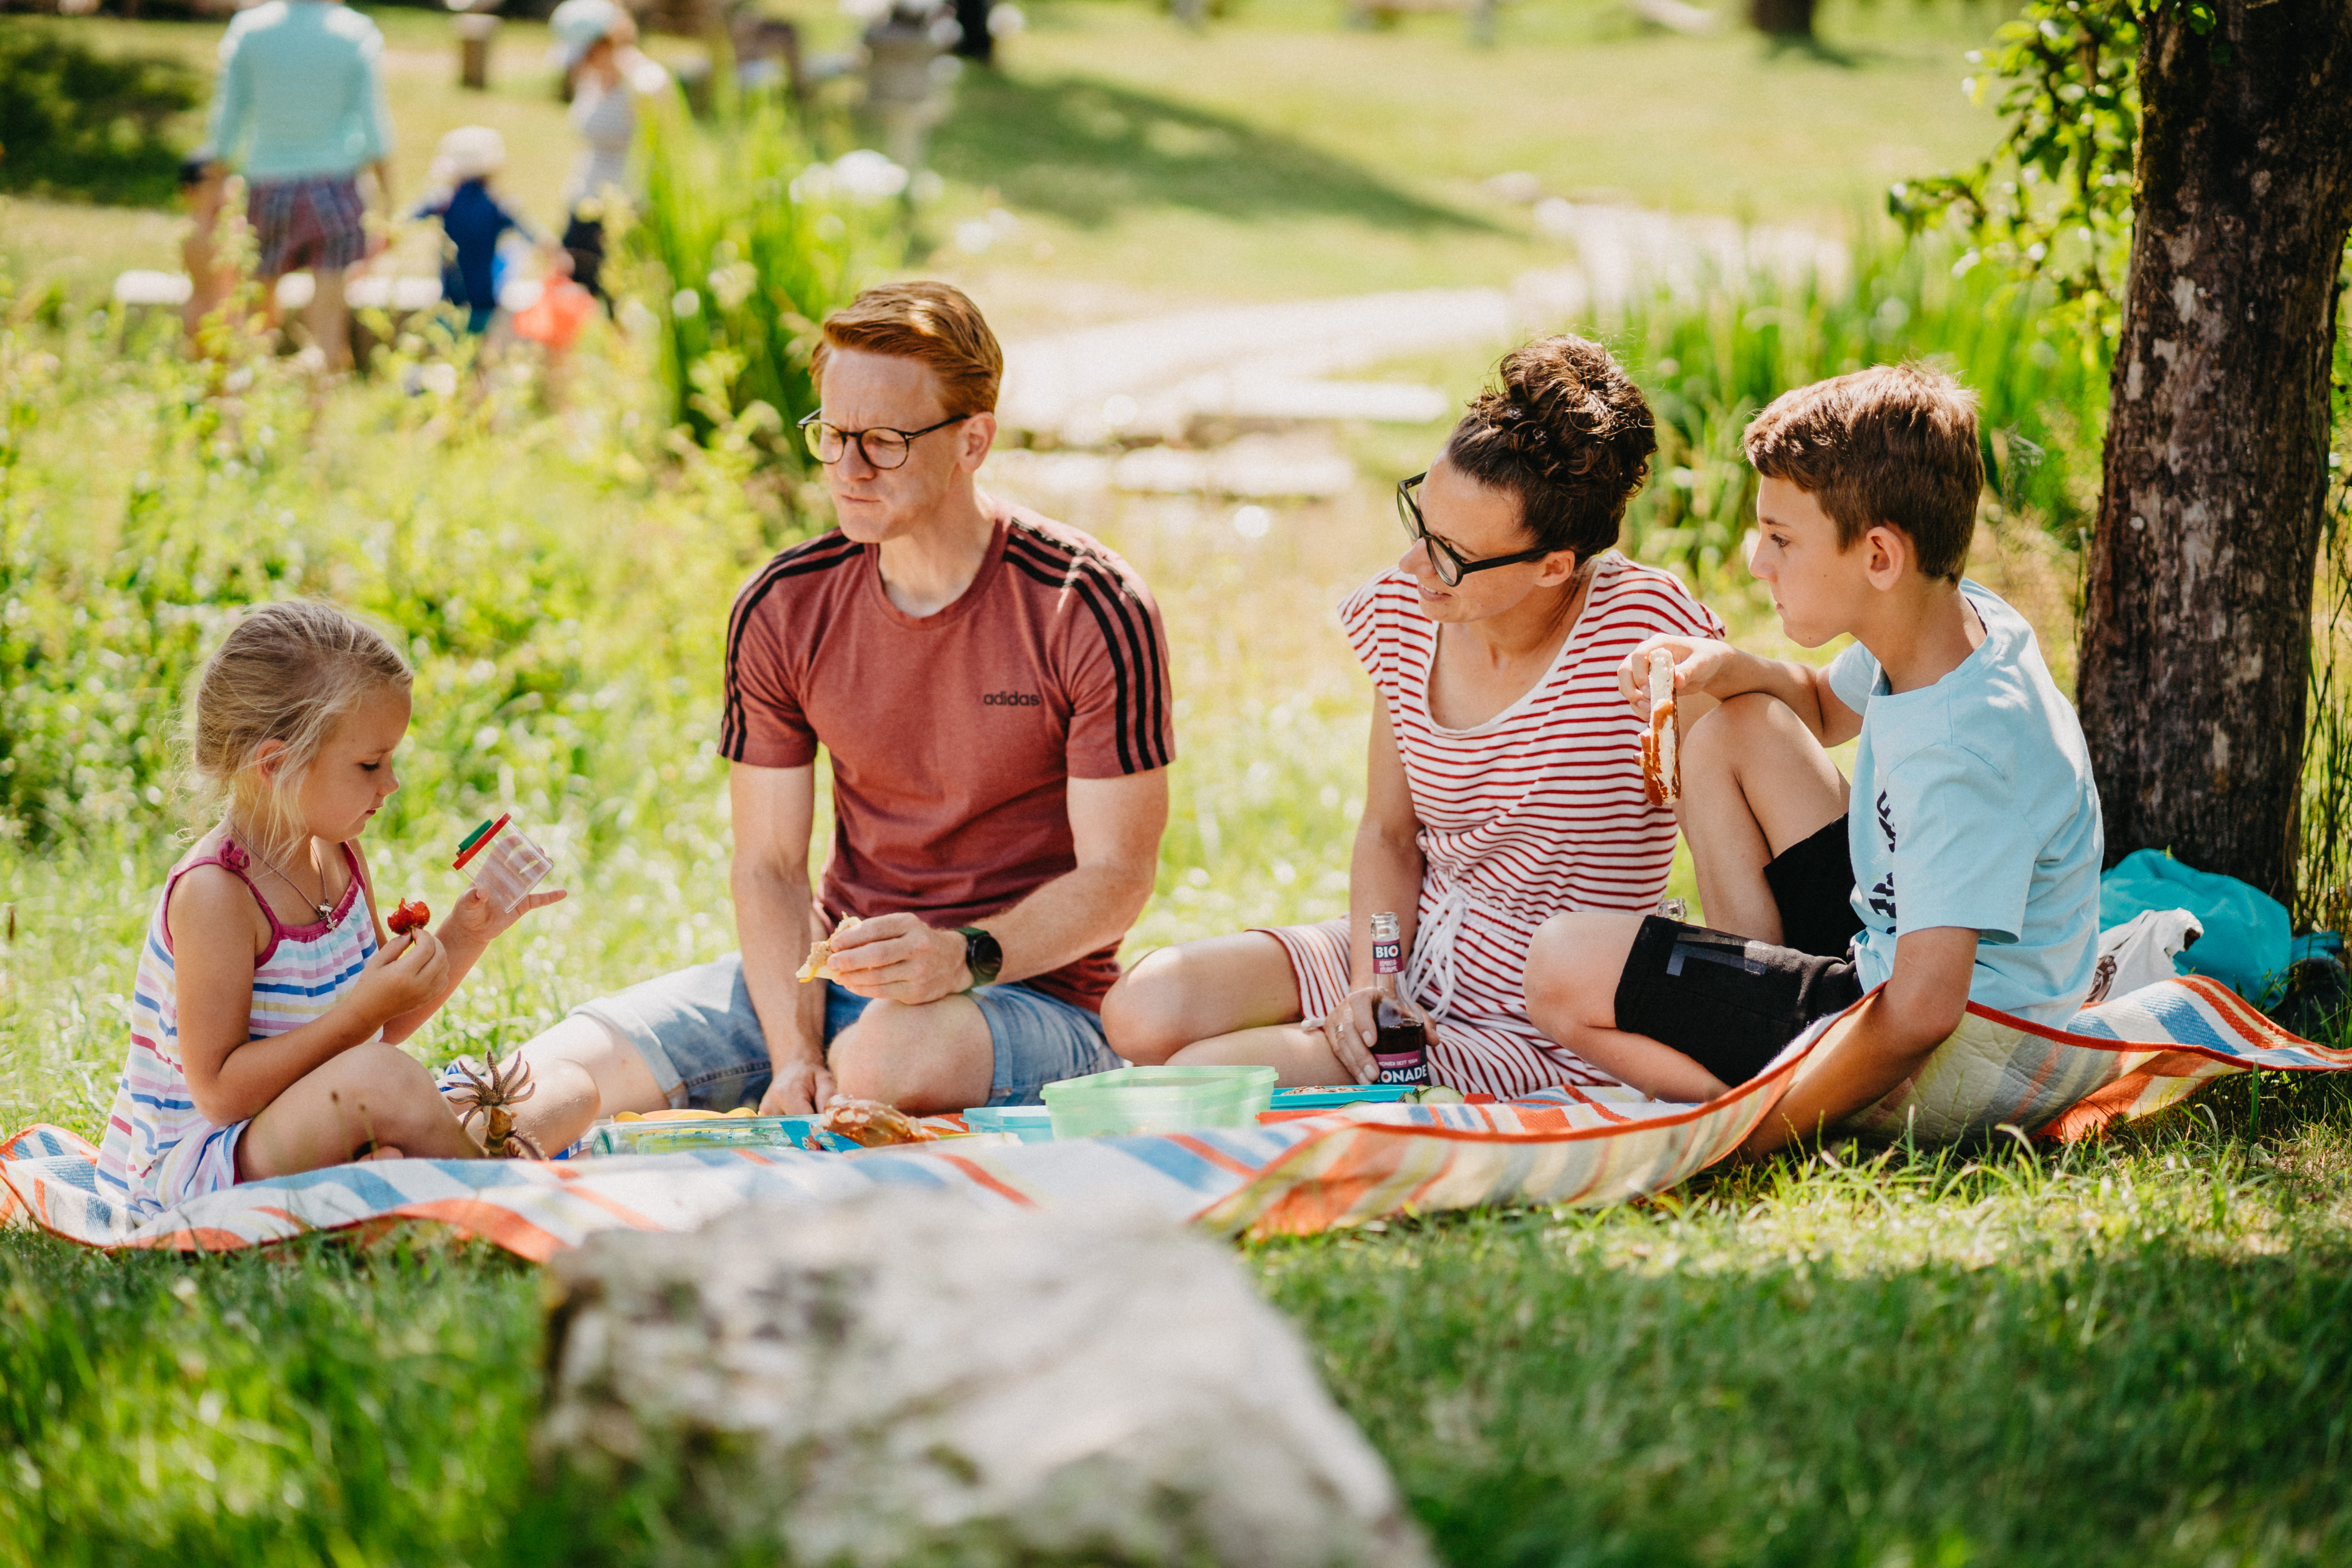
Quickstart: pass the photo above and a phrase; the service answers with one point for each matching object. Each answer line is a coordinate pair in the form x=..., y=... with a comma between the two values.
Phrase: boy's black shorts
x=1812, y=881
x=1730, y=1004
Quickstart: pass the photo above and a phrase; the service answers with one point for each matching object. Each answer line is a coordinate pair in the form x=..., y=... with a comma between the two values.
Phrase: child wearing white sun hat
x=468, y=159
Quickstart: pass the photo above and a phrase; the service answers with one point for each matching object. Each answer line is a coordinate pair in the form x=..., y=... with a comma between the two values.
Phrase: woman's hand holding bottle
x=1349, y=1031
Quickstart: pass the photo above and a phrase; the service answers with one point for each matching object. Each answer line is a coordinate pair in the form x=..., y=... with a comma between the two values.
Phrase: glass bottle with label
x=1401, y=1046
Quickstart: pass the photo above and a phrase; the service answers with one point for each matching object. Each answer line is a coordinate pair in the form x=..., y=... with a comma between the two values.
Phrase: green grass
x=2134, y=1355
x=1276, y=153
x=2130, y=1353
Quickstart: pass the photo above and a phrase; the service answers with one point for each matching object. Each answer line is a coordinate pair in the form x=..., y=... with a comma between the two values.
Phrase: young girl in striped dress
x=1505, y=777
x=268, y=1006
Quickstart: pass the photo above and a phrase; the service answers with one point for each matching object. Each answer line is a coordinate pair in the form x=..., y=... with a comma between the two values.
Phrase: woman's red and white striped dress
x=1538, y=810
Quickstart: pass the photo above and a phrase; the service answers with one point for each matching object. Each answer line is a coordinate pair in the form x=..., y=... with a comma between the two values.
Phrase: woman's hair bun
x=1566, y=430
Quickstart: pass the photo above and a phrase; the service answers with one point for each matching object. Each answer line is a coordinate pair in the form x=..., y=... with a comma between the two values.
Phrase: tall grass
x=1710, y=363
x=748, y=256
x=2324, y=888
x=557, y=581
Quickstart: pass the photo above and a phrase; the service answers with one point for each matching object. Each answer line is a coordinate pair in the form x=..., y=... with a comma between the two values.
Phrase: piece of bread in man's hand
x=1662, y=763
x=818, y=965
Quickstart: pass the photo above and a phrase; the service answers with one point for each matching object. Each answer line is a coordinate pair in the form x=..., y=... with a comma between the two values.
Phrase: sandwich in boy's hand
x=1662, y=764
x=819, y=964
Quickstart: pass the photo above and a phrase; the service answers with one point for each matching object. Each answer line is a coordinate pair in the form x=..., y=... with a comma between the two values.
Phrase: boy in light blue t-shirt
x=1966, y=868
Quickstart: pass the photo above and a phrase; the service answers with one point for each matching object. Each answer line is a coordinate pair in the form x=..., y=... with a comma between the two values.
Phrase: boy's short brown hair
x=1893, y=444
x=934, y=322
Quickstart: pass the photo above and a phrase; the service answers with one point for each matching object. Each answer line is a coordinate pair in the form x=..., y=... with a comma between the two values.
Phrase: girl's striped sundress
x=159, y=1151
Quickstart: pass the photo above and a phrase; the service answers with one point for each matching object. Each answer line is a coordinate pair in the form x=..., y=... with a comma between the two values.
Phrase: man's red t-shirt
x=953, y=736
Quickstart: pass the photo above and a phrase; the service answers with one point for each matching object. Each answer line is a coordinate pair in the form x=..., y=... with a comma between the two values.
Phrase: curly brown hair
x=1566, y=430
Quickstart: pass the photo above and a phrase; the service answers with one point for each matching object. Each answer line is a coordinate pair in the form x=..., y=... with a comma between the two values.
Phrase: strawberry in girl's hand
x=408, y=917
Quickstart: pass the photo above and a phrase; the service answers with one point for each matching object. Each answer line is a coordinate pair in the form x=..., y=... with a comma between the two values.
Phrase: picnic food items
x=407, y=917
x=870, y=1124
x=505, y=865
x=1401, y=1038
x=1662, y=766
x=492, y=1093
x=818, y=964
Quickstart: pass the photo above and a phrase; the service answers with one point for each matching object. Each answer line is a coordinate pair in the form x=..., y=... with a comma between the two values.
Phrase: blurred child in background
x=204, y=185
x=596, y=46
x=474, y=220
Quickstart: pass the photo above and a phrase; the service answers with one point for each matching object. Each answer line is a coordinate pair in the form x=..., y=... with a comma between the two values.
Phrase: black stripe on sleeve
x=1111, y=598
x=1150, y=715
x=822, y=553
x=1063, y=582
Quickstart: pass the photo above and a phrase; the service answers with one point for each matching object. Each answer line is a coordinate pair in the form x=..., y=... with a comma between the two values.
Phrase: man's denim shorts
x=697, y=1032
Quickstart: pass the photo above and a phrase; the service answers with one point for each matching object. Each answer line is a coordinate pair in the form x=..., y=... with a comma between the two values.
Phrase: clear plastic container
x=1159, y=1100
x=503, y=863
x=701, y=1132
x=1030, y=1124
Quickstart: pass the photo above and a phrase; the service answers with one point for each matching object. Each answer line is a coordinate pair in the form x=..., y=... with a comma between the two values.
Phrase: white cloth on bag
x=2140, y=951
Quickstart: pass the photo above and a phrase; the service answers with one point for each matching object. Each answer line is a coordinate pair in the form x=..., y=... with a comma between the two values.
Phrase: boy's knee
x=1733, y=727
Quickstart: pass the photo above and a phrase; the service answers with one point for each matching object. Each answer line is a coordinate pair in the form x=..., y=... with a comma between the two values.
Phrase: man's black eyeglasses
x=1450, y=567
x=881, y=449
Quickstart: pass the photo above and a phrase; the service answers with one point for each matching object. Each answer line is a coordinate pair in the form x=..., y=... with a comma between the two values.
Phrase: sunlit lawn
x=1276, y=153
x=2129, y=1354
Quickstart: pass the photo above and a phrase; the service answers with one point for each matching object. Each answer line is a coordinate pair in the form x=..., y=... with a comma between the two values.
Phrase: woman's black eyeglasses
x=1450, y=567
x=881, y=449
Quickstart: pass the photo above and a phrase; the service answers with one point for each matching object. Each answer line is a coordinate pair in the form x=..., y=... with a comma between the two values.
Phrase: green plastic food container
x=1159, y=1100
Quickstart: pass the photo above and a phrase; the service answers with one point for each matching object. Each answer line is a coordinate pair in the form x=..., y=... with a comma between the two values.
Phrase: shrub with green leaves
x=561, y=597
x=77, y=123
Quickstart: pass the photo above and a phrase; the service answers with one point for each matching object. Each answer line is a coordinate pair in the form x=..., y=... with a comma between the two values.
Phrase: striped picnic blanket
x=1587, y=1147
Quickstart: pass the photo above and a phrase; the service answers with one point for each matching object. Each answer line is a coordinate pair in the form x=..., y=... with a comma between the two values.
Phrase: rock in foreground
x=913, y=1377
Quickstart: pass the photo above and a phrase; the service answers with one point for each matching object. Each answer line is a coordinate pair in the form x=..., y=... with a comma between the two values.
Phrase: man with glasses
x=991, y=690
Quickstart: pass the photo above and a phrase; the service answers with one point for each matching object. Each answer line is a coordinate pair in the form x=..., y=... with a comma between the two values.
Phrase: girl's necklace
x=326, y=912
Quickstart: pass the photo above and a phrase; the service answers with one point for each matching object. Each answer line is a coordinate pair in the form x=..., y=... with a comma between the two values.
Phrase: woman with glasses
x=1505, y=778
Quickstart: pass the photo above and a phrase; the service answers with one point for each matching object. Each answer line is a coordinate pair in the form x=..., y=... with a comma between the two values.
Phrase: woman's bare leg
x=1298, y=1054
x=1179, y=996
x=372, y=1095
x=1755, y=783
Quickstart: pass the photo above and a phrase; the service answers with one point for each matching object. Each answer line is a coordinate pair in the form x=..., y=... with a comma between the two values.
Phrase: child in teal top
x=1966, y=869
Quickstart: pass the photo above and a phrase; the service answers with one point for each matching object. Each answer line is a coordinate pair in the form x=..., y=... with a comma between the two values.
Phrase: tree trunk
x=2196, y=637
x=1781, y=18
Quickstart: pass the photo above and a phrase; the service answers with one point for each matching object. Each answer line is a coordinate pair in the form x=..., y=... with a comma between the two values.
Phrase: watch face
x=981, y=954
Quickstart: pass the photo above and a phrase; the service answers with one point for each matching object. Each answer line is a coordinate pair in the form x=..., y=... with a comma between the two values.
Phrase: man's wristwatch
x=981, y=954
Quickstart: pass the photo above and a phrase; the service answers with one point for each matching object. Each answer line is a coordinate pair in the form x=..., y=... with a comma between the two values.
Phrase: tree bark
x=2195, y=640
x=1781, y=18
